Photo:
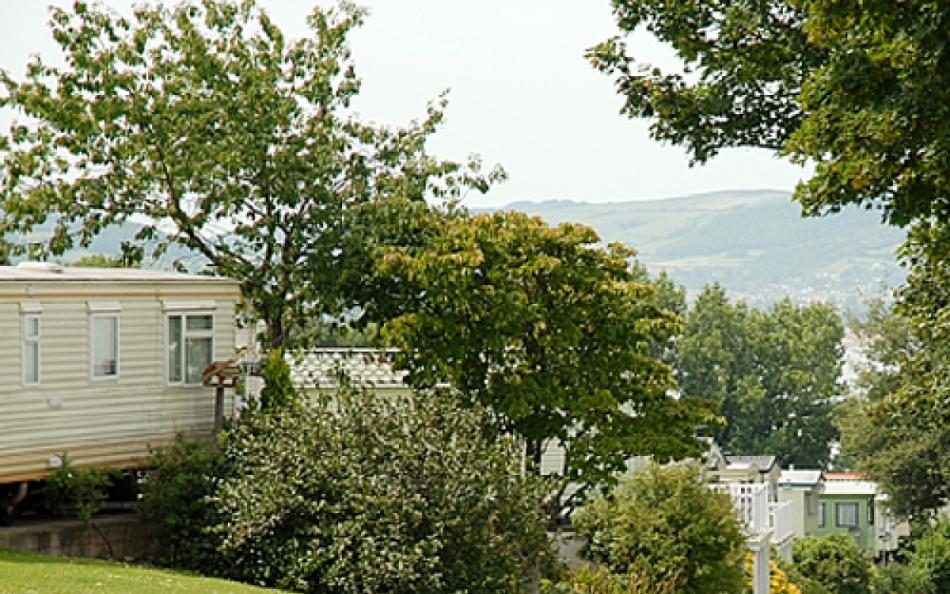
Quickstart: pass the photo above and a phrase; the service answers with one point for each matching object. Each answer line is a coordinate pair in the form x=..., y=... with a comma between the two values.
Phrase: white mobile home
x=105, y=363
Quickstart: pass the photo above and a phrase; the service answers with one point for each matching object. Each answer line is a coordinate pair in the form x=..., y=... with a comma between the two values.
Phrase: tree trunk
x=276, y=334
x=533, y=452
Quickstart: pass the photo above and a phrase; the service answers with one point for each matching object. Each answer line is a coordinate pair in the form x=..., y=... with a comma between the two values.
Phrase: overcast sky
x=522, y=94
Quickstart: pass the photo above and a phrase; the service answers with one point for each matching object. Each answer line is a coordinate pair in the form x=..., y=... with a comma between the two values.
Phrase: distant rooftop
x=800, y=478
x=51, y=272
x=846, y=487
x=845, y=476
x=365, y=368
x=764, y=463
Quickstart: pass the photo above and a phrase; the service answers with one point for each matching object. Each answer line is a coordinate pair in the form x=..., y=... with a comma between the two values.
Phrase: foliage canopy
x=835, y=561
x=862, y=89
x=772, y=373
x=897, y=427
x=557, y=338
x=666, y=523
x=221, y=134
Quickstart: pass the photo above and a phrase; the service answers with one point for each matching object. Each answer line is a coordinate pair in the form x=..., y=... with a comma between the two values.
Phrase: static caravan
x=851, y=504
x=103, y=364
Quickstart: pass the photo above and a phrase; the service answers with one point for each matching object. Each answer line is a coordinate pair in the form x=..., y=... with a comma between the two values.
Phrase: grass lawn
x=27, y=573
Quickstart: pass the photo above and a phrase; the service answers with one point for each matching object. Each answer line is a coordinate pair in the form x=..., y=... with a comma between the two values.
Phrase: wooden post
x=221, y=375
x=218, y=408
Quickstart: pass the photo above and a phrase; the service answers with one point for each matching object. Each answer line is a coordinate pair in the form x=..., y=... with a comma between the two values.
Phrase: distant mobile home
x=103, y=364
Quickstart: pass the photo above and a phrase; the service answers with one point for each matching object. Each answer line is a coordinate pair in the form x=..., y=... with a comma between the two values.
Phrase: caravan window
x=846, y=515
x=190, y=347
x=31, y=349
x=105, y=346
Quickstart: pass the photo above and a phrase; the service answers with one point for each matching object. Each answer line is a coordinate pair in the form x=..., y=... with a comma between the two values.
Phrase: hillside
x=753, y=242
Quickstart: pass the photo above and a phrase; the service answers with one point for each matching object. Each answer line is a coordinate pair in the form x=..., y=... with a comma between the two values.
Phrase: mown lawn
x=27, y=573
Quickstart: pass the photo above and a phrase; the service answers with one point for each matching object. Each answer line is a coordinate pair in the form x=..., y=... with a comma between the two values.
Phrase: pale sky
x=522, y=94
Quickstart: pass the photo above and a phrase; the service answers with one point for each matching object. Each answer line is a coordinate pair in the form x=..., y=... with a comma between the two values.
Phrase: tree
x=664, y=522
x=225, y=137
x=378, y=493
x=931, y=555
x=278, y=392
x=554, y=336
x=772, y=373
x=835, y=561
x=893, y=428
x=100, y=261
x=862, y=89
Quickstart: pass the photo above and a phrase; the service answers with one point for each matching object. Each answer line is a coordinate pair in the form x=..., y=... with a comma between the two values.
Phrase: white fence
x=752, y=504
x=783, y=532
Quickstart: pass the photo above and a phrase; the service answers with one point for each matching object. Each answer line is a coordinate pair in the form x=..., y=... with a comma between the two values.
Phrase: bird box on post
x=221, y=375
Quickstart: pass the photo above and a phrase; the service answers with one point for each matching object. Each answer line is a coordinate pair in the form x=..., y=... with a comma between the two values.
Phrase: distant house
x=751, y=482
x=104, y=364
x=749, y=469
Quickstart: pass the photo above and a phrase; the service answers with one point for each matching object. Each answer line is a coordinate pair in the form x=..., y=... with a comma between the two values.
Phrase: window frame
x=839, y=505
x=27, y=340
x=184, y=334
x=822, y=510
x=92, y=346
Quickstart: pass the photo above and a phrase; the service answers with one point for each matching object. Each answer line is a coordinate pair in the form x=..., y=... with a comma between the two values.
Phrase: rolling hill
x=755, y=243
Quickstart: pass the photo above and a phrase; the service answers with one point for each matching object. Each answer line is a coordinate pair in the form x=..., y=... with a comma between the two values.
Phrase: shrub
x=785, y=580
x=835, y=561
x=278, y=392
x=806, y=585
x=78, y=492
x=665, y=520
x=598, y=580
x=931, y=554
x=371, y=493
x=898, y=578
x=175, y=498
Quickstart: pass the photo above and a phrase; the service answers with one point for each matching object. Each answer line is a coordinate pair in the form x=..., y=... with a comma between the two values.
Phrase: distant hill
x=109, y=242
x=755, y=243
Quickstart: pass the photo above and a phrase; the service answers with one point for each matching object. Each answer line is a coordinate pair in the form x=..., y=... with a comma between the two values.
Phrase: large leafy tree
x=206, y=125
x=862, y=89
x=773, y=374
x=897, y=427
x=557, y=337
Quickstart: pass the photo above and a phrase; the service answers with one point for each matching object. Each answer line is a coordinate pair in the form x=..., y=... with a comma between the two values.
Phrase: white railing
x=751, y=503
x=783, y=532
x=780, y=520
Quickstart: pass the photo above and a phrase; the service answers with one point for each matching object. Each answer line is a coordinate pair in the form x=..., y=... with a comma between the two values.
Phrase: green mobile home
x=848, y=504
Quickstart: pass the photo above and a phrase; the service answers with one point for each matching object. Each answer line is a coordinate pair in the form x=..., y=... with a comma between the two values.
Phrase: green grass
x=27, y=573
